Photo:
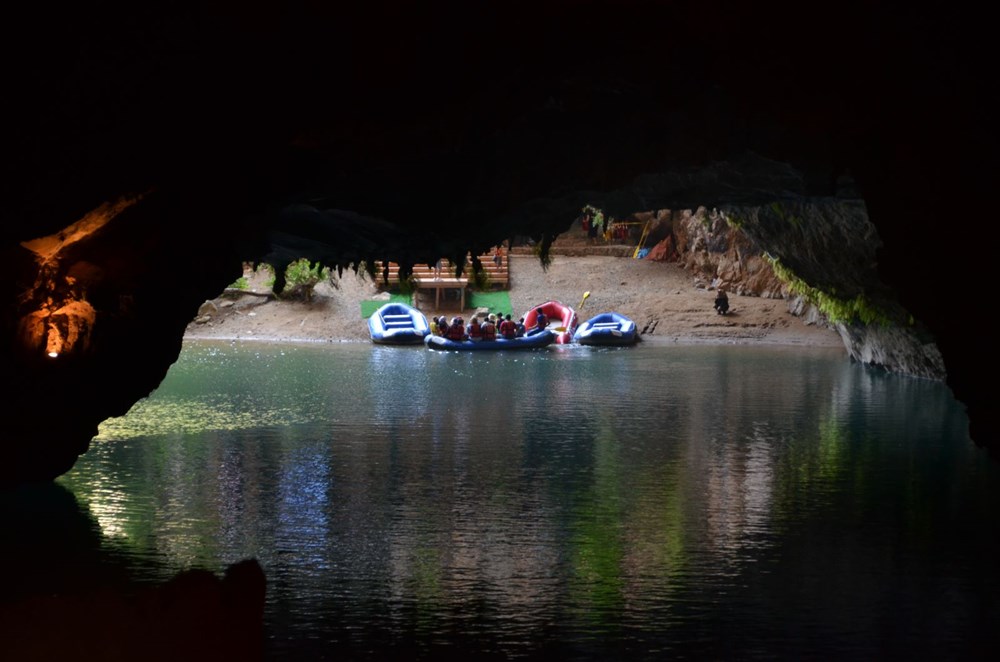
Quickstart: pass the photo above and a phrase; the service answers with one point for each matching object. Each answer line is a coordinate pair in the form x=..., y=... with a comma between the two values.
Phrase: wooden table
x=438, y=284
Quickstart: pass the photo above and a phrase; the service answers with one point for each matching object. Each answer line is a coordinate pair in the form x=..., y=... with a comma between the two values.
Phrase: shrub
x=407, y=285
x=301, y=277
x=481, y=279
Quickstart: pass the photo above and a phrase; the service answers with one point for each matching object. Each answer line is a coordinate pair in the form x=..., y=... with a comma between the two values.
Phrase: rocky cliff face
x=721, y=255
x=828, y=247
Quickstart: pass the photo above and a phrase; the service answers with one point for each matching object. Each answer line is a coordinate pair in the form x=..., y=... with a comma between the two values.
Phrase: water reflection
x=643, y=502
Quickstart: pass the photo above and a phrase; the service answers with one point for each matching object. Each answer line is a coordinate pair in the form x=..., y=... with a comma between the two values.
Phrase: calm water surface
x=646, y=503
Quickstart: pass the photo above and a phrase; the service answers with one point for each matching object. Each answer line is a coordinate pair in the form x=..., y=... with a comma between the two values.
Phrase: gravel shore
x=660, y=296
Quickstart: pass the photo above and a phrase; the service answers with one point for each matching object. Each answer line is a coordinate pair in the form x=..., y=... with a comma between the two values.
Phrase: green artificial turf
x=369, y=307
x=497, y=302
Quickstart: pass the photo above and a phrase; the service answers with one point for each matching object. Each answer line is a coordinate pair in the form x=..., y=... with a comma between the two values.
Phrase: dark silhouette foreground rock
x=195, y=616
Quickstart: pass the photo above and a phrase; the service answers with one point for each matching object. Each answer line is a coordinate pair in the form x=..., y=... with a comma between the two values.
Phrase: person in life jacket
x=474, y=330
x=439, y=326
x=508, y=330
x=489, y=330
x=519, y=328
x=456, y=331
x=541, y=321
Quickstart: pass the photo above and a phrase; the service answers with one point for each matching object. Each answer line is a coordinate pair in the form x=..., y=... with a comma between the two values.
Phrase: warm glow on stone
x=69, y=327
x=64, y=321
x=53, y=340
x=49, y=247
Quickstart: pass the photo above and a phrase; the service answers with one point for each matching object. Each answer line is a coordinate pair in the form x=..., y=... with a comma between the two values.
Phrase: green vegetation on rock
x=791, y=219
x=836, y=309
x=733, y=221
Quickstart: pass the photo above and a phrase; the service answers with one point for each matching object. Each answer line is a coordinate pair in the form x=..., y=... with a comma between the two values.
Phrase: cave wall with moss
x=820, y=255
x=345, y=132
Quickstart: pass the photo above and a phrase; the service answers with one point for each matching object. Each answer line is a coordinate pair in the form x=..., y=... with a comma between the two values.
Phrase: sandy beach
x=661, y=297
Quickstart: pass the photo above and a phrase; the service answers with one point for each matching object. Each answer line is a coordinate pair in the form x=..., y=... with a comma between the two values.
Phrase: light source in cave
x=69, y=328
x=53, y=341
x=62, y=319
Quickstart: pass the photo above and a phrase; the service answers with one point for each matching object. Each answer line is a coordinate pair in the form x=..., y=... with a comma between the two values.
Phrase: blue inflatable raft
x=398, y=324
x=606, y=329
x=534, y=341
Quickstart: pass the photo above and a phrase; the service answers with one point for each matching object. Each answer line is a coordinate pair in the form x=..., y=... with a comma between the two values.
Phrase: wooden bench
x=419, y=271
x=498, y=276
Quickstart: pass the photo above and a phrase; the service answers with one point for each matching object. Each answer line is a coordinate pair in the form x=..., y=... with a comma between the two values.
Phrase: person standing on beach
x=721, y=302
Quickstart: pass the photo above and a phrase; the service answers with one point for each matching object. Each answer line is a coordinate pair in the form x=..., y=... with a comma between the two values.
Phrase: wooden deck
x=439, y=284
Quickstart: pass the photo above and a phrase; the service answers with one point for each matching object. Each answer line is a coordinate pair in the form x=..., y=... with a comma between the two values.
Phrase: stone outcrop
x=896, y=348
x=712, y=248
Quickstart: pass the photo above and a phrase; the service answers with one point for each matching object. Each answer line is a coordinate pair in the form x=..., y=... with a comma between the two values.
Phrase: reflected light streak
x=109, y=506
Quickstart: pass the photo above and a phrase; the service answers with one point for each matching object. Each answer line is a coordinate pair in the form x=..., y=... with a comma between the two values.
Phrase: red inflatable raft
x=562, y=320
